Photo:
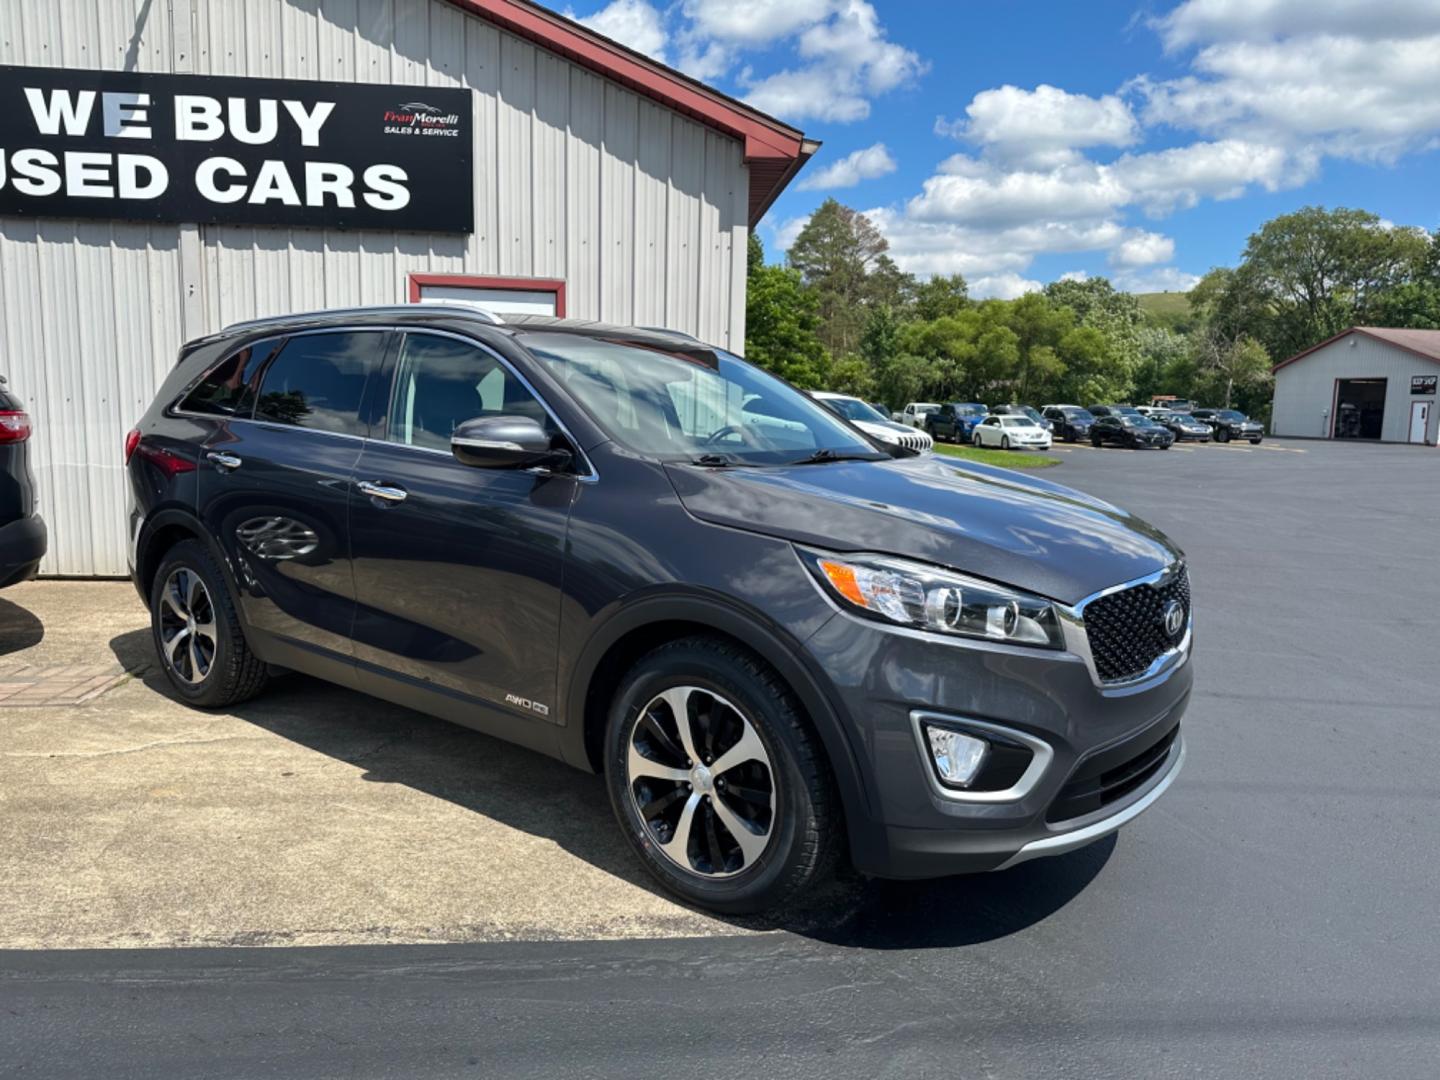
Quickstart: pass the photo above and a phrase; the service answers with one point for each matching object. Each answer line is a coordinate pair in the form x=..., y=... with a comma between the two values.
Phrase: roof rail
x=457, y=308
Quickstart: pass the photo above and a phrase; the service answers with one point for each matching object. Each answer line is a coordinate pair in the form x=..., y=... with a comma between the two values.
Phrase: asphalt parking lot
x=1273, y=916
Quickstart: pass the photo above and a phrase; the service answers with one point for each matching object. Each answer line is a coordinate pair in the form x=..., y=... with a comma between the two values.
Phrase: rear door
x=275, y=482
x=457, y=569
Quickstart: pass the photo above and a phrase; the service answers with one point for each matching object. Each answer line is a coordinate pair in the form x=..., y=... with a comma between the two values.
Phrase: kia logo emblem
x=1174, y=618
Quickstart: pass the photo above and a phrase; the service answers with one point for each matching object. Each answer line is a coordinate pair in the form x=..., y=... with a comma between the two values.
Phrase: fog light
x=957, y=757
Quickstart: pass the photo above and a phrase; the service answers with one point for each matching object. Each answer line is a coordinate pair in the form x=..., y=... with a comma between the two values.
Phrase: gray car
x=782, y=647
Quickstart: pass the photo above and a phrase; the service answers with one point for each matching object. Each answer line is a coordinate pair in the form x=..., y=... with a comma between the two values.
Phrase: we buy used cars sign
x=101, y=144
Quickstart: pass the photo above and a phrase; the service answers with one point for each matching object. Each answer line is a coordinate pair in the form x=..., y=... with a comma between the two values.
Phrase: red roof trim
x=764, y=138
x=1346, y=333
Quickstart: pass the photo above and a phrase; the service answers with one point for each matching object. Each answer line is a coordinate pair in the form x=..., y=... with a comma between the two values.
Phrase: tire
x=189, y=580
x=1222, y=435
x=1165, y=446
x=1254, y=442
x=976, y=440
x=1004, y=442
x=1096, y=442
x=799, y=848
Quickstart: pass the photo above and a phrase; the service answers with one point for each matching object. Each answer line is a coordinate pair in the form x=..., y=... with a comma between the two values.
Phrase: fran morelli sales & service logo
x=417, y=118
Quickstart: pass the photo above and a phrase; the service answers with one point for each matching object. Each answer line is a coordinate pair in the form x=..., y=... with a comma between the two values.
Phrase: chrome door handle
x=382, y=491
x=223, y=461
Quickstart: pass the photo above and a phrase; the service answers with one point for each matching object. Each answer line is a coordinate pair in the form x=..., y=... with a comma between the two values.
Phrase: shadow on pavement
x=19, y=628
x=529, y=791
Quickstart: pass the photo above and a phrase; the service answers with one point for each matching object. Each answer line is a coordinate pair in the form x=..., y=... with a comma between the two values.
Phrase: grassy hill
x=1170, y=309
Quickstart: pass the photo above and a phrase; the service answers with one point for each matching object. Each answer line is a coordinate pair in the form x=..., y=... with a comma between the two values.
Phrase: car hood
x=993, y=523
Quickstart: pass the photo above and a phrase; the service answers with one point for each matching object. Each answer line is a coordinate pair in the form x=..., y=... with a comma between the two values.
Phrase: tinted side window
x=228, y=390
x=440, y=382
x=318, y=380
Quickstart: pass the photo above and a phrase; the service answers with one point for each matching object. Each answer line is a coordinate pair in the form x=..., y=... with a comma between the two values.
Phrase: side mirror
x=504, y=442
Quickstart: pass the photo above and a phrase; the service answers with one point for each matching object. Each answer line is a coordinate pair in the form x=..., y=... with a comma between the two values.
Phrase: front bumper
x=918, y=829
x=22, y=545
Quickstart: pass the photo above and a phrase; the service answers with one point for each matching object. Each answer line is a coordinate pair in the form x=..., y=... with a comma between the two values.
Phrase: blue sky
x=1016, y=142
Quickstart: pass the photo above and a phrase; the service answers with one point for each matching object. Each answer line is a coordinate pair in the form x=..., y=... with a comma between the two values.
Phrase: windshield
x=1231, y=414
x=969, y=410
x=1017, y=421
x=1135, y=420
x=1077, y=414
x=681, y=406
x=853, y=409
x=1032, y=412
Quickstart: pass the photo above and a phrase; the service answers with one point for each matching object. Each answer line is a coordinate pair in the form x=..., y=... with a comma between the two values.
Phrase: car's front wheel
x=976, y=439
x=1222, y=435
x=717, y=780
x=1004, y=442
x=197, y=633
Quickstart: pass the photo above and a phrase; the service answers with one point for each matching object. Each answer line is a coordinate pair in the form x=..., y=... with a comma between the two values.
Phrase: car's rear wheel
x=1254, y=442
x=1004, y=442
x=717, y=780
x=1096, y=441
x=196, y=631
x=1222, y=434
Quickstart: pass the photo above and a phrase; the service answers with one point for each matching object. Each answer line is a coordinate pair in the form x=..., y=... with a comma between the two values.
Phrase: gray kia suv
x=782, y=643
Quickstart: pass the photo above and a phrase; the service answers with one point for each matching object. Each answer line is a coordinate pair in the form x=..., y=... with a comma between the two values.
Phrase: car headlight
x=928, y=598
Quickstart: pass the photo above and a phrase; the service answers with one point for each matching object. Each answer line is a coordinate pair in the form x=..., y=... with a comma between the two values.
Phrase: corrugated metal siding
x=640, y=210
x=1305, y=390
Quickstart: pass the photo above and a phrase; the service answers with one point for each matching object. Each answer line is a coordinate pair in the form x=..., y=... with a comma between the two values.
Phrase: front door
x=275, y=486
x=1419, y=420
x=457, y=569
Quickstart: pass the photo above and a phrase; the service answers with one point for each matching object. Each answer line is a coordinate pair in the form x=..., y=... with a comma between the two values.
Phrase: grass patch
x=1005, y=459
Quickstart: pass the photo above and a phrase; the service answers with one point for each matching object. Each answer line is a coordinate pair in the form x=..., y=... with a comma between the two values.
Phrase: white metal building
x=604, y=186
x=1366, y=383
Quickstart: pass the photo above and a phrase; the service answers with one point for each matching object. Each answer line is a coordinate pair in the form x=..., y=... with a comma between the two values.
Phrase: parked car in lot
x=1173, y=404
x=1069, y=422
x=540, y=529
x=1230, y=424
x=1136, y=432
x=1010, y=432
x=1181, y=425
x=1023, y=410
x=914, y=414
x=1114, y=410
x=872, y=423
x=955, y=420
x=23, y=536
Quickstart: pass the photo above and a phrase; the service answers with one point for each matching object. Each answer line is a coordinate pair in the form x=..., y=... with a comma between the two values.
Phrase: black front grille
x=1100, y=781
x=1127, y=628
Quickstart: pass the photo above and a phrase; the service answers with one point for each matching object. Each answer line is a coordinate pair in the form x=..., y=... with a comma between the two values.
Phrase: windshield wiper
x=825, y=455
x=721, y=461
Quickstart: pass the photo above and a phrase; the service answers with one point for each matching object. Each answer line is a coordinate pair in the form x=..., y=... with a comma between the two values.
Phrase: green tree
x=782, y=322
x=851, y=375
x=1115, y=314
x=835, y=254
x=1319, y=271
x=940, y=296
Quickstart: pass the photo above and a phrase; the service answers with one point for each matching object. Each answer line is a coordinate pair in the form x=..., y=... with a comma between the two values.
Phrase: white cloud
x=1257, y=20
x=1158, y=279
x=754, y=22
x=1043, y=125
x=850, y=170
x=1074, y=275
x=1143, y=249
x=635, y=23
x=1183, y=175
x=1002, y=287
x=783, y=234
x=850, y=61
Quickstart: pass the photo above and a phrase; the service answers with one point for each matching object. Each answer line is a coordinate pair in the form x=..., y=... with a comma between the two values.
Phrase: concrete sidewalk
x=311, y=815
